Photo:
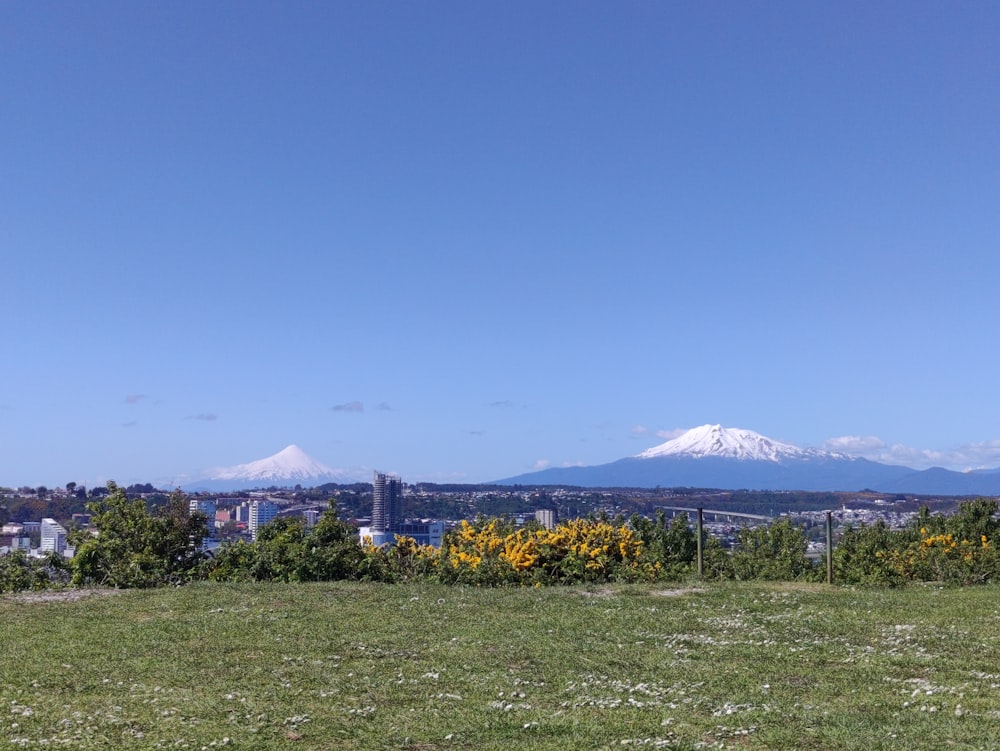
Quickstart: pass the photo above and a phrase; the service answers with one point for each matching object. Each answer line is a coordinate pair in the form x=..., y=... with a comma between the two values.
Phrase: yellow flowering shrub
x=942, y=557
x=488, y=553
x=955, y=548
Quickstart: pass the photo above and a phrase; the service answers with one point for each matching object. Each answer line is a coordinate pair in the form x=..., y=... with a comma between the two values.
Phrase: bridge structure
x=716, y=515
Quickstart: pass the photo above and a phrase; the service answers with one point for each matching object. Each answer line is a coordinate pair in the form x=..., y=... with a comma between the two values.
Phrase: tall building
x=387, y=517
x=261, y=512
x=208, y=508
x=53, y=537
x=387, y=504
x=546, y=517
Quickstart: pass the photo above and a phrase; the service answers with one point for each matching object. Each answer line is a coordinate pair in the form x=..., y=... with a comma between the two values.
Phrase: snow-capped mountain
x=732, y=443
x=712, y=456
x=290, y=466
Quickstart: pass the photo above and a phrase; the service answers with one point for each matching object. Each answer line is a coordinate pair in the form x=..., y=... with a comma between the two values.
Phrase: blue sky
x=460, y=241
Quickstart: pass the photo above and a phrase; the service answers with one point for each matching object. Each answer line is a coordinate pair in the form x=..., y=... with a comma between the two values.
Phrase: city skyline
x=463, y=242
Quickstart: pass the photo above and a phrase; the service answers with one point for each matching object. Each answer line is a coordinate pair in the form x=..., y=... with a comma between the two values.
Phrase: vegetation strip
x=131, y=545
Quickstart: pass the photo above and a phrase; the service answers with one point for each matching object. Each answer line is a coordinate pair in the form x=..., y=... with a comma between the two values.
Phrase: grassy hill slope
x=356, y=666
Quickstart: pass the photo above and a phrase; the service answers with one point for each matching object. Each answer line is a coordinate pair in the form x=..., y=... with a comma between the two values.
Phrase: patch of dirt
x=800, y=586
x=61, y=595
x=677, y=592
x=602, y=592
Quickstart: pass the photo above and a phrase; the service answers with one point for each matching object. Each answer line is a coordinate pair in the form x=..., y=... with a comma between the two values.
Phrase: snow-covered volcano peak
x=731, y=443
x=293, y=456
x=291, y=465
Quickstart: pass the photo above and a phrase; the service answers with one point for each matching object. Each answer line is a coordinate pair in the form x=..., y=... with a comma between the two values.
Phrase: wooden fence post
x=701, y=551
x=829, y=547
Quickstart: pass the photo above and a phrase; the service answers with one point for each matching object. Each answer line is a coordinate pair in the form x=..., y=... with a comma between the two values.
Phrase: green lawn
x=362, y=666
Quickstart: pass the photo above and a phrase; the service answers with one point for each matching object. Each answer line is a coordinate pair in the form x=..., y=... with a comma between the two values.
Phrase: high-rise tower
x=261, y=512
x=387, y=503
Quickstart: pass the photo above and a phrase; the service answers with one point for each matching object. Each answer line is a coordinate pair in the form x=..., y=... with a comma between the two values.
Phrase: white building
x=206, y=507
x=546, y=517
x=53, y=537
x=13, y=537
x=261, y=512
x=423, y=531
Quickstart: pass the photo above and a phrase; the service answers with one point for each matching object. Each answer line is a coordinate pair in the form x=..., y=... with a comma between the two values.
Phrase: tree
x=136, y=548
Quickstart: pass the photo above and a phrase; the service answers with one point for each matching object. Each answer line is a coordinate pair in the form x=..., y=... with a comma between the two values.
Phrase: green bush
x=673, y=545
x=19, y=572
x=134, y=547
x=864, y=555
x=286, y=550
x=955, y=549
x=776, y=552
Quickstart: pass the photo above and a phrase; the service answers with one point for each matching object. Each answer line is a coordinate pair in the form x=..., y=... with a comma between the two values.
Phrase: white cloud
x=981, y=455
x=541, y=464
x=859, y=445
x=638, y=431
x=669, y=435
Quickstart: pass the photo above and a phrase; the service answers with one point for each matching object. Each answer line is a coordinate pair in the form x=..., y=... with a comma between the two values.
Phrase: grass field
x=361, y=666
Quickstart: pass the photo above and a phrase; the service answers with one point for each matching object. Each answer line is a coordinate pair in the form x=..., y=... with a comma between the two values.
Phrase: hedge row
x=136, y=547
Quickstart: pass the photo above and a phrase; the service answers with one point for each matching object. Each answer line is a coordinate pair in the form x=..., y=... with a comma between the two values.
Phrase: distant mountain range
x=289, y=467
x=712, y=456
